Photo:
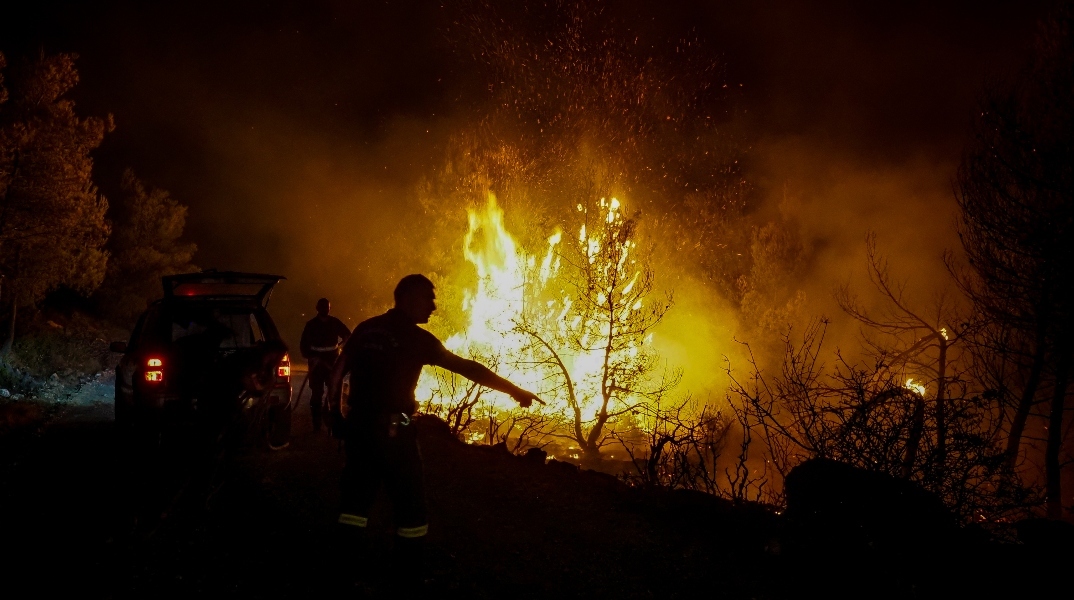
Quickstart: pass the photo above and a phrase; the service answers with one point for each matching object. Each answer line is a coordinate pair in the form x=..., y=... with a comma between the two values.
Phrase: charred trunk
x=652, y=465
x=1025, y=403
x=913, y=442
x=941, y=409
x=591, y=448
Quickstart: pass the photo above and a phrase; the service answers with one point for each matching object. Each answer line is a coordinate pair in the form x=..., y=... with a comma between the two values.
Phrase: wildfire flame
x=915, y=387
x=516, y=290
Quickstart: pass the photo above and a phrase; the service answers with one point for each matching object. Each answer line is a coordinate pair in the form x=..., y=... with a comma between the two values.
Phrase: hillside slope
x=500, y=527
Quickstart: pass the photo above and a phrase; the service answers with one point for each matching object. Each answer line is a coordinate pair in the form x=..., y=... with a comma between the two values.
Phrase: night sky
x=288, y=127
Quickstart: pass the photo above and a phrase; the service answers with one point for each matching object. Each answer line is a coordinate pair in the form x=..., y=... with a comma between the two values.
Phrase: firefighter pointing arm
x=384, y=357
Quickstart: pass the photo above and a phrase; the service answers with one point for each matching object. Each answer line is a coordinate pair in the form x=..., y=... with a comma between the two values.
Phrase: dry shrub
x=866, y=418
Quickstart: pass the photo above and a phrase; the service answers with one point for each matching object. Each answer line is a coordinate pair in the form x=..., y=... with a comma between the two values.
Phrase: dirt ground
x=500, y=527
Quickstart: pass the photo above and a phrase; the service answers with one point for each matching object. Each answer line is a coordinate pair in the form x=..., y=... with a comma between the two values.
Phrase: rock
x=535, y=455
x=853, y=512
x=604, y=480
x=562, y=466
x=1047, y=536
x=695, y=502
x=433, y=426
x=5, y=393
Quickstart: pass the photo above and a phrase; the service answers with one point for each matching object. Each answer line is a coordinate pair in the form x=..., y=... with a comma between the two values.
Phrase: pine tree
x=52, y=219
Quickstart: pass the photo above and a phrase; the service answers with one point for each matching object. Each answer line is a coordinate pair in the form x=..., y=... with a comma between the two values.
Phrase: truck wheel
x=278, y=429
x=125, y=424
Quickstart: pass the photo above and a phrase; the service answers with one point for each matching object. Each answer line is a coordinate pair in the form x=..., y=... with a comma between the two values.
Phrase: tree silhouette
x=144, y=247
x=915, y=343
x=1016, y=194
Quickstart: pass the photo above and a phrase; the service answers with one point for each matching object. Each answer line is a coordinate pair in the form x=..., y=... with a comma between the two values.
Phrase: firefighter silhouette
x=321, y=341
x=384, y=358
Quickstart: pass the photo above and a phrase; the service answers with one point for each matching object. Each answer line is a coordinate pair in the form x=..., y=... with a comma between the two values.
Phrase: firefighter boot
x=409, y=568
x=350, y=553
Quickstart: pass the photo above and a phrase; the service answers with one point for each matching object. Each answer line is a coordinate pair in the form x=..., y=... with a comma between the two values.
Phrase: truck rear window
x=219, y=289
x=221, y=328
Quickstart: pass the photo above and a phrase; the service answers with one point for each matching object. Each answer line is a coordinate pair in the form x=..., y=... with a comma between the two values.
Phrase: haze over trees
x=952, y=397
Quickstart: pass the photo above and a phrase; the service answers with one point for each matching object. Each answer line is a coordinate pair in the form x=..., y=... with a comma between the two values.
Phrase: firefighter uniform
x=320, y=347
x=385, y=357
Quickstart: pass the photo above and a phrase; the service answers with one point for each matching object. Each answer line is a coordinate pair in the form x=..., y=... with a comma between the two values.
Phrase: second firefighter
x=321, y=340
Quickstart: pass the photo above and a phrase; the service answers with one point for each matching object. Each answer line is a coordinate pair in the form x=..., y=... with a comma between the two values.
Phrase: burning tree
x=576, y=326
x=577, y=111
x=597, y=348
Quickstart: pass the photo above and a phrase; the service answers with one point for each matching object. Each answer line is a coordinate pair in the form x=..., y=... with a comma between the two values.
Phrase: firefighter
x=384, y=358
x=321, y=340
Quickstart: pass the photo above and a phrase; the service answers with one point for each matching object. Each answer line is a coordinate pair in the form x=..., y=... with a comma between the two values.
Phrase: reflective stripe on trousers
x=412, y=532
x=354, y=520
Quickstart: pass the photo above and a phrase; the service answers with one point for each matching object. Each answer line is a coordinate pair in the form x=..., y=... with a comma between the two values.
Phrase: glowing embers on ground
x=529, y=318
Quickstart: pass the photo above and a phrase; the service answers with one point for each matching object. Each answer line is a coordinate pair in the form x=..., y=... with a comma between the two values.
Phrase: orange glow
x=154, y=376
x=283, y=370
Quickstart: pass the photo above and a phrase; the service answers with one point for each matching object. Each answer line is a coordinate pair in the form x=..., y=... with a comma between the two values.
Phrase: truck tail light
x=154, y=370
x=283, y=370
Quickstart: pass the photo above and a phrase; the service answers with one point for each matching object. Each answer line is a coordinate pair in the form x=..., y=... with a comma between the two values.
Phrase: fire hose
x=293, y=401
